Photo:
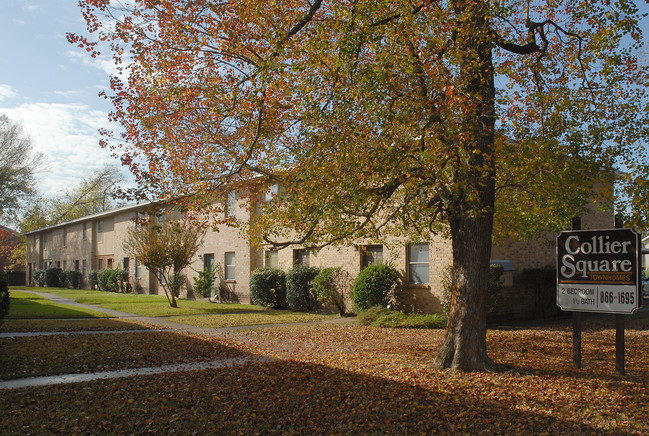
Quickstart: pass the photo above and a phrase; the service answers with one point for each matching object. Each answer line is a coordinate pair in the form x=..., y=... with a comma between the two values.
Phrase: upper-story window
x=83, y=232
x=65, y=237
x=231, y=204
x=100, y=231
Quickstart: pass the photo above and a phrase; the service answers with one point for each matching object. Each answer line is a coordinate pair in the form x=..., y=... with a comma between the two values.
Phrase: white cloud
x=68, y=135
x=7, y=91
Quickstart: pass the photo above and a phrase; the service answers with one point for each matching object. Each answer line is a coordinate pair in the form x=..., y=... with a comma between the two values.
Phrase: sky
x=51, y=87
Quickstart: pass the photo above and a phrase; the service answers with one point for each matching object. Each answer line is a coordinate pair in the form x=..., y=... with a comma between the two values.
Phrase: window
x=301, y=257
x=83, y=232
x=100, y=231
x=65, y=238
x=58, y=264
x=100, y=264
x=229, y=266
x=371, y=255
x=76, y=265
x=418, y=267
x=109, y=263
x=125, y=263
x=138, y=269
x=83, y=267
x=272, y=192
x=231, y=204
x=65, y=265
x=208, y=261
x=272, y=259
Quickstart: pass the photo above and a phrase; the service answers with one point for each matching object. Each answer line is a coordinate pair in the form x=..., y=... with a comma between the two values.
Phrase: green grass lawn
x=25, y=305
x=200, y=313
x=147, y=305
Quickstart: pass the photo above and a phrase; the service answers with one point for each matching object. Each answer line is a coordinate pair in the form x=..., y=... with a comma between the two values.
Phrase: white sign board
x=599, y=271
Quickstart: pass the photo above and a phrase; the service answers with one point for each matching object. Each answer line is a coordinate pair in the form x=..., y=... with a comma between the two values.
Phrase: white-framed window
x=272, y=192
x=229, y=263
x=100, y=264
x=231, y=204
x=100, y=231
x=271, y=259
x=418, y=264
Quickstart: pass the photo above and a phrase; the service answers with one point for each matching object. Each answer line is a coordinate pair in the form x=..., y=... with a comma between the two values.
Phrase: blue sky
x=52, y=87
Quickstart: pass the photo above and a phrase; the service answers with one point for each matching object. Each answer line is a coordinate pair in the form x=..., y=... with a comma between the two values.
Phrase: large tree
x=402, y=117
x=18, y=165
x=94, y=193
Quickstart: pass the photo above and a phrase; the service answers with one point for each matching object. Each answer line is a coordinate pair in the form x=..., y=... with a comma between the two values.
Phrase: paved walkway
x=159, y=322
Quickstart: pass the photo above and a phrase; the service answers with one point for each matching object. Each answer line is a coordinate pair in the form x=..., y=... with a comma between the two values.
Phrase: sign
x=599, y=271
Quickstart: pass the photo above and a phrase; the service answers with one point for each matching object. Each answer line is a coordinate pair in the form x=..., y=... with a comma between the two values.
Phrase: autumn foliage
x=380, y=118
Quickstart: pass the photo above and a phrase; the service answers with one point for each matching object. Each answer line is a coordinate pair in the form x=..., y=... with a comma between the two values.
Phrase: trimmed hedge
x=299, y=288
x=375, y=286
x=53, y=277
x=268, y=287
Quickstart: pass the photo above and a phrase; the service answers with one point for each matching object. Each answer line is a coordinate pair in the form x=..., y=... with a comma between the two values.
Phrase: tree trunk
x=465, y=343
x=471, y=212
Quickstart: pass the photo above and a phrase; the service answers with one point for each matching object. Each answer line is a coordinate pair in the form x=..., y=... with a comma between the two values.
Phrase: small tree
x=204, y=283
x=331, y=286
x=165, y=249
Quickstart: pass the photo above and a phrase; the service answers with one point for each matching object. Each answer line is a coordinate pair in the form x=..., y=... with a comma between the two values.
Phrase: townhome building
x=95, y=242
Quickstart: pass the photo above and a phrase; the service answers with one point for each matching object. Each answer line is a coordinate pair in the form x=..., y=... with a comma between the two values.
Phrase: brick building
x=95, y=243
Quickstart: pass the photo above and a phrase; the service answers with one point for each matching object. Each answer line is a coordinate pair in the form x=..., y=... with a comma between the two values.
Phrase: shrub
x=268, y=287
x=299, y=289
x=495, y=274
x=63, y=279
x=4, y=296
x=93, y=278
x=375, y=286
x=73, y=279
x=53, y=277
x=204, y=283
x=331, y=286
x=39, y=277
x=387, y=318
x=111, y=280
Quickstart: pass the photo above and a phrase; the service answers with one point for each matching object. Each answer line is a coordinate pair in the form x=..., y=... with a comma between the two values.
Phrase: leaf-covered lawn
x=69, y=325
x=257, y=318
x=345, y=379
x=67, y=354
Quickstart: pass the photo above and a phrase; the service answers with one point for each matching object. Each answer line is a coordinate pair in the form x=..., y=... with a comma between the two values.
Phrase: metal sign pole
x=619, y=324
x=576, y=317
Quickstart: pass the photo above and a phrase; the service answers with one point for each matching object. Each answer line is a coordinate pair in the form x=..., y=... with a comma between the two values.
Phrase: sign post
x=599, y=271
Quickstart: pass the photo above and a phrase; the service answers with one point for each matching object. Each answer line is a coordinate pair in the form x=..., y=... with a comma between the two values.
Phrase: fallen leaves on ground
x=347, y=379
x=68, y=354
x=70, y=325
